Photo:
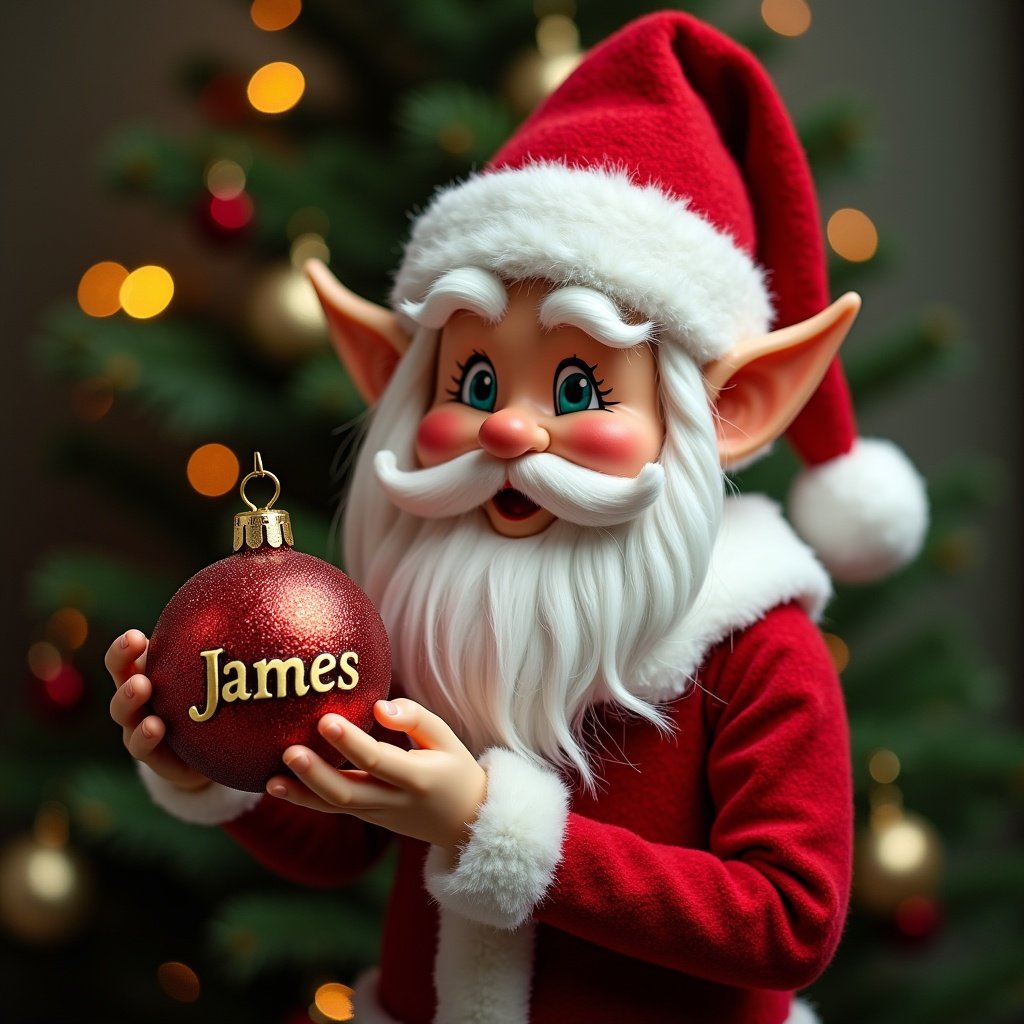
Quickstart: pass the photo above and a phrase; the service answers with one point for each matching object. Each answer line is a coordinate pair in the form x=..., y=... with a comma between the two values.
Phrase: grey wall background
x=942, y=78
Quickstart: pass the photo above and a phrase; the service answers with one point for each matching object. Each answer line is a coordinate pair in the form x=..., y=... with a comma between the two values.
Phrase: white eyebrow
x=595, y=313
x=471, y=288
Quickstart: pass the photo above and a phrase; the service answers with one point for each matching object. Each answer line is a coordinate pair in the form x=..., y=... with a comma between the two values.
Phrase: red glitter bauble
x=253, y=650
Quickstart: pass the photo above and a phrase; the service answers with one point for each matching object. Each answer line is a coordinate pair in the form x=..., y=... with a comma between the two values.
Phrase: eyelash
x=458, y=378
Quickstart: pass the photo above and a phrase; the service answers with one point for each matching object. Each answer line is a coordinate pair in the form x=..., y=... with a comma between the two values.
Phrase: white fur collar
x=757, y=563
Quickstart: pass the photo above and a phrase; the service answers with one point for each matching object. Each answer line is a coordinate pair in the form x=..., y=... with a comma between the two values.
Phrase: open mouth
x=513, y=504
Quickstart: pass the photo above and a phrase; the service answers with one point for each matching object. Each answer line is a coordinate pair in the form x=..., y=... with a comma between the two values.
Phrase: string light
x=99, y=288
x=212, y=470
x=786, y=17
x=178, y=981
x=146, y=292
x=274, y=15
x=852, y=235
x=276, y=87
x=334, y=1001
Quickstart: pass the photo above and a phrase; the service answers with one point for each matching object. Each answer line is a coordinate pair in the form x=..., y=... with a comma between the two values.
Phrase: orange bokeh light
x=179, y=981
x=276, y=87
x=852, y=235
x=334, y=1001
x=786, y=17
x=99, y=290
x=274, y=15
x=212, y=470
x=68, y=627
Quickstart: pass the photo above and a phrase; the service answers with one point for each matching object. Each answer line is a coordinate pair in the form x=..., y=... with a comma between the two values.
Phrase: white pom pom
x=864, y=513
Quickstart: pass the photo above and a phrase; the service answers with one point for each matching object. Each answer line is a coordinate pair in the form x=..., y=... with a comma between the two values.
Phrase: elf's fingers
x=384, y=761
x=126, y=656
x=340, y=790
x=129, y=701
x=423, y=727
x=145, y=743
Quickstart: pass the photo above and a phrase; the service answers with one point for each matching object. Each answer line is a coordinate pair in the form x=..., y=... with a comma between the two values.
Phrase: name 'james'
x=235, y=683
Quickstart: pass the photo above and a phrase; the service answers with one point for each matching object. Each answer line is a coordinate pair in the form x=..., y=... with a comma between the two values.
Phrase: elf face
x=513, y=387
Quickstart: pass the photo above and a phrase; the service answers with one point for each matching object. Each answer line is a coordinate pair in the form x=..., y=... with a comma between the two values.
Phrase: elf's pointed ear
x=368, y=338
x=759, y=387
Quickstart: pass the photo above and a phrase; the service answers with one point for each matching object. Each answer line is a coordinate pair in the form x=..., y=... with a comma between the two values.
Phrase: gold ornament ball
x=46, y=892
x=284, y=316
x=898, y=855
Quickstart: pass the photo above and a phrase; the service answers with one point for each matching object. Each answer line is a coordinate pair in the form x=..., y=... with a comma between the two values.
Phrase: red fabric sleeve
x=763, y=906
x=306, y=846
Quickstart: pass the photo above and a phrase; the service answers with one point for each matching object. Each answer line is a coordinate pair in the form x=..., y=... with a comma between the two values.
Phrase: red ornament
x=253, y=650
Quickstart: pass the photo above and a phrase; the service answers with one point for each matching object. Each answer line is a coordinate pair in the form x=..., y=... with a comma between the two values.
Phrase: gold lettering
x=347, y=663
x=264, y=667
x=235, y=688
x=212, y=659
x=322, y=663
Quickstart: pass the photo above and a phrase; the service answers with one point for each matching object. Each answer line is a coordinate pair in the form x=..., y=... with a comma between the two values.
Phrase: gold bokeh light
x=212, y=470
x=276, y=87
x=147, y=292
x=68, y=627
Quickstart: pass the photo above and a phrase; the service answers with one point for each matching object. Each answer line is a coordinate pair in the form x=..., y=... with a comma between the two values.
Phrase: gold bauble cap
x=263, y=525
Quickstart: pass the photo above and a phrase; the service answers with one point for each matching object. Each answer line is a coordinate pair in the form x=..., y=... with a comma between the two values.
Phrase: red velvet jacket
x=705, y=883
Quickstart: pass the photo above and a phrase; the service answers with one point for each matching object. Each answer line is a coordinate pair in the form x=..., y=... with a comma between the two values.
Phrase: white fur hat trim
x=598, y=228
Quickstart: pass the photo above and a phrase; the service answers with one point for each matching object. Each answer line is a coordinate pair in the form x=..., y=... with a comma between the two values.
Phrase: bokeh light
x=99, y=290
x=884, y=767
x=557, y=34
x=852, y=235
x=231, y=213
x=44, y=660
x=178, y=981
x=838, y=649
x=276, y=87
x=92, y=398
x=274, y=15
x=67, y=627
x=212, y=470
x=786, y=17
x=903, y=847
x=225, y=178
x=309, y=220
x=308, y=247
x=146, y=292
x=65, y=690
x=334, y=1001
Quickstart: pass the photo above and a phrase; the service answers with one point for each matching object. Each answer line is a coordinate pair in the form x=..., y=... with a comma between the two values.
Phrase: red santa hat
x=665, y=172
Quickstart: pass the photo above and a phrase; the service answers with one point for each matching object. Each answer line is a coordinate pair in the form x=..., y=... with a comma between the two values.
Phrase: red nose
x=509, y=433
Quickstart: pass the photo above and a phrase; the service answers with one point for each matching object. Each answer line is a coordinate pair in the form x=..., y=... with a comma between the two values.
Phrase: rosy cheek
x=445, y=432
x=608, y=443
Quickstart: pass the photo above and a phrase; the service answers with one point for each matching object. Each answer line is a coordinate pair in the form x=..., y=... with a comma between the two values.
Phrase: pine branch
x=261, y=932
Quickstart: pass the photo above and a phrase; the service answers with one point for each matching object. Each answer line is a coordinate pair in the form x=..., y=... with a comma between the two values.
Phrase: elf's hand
x=142, y=732
x=433, y=792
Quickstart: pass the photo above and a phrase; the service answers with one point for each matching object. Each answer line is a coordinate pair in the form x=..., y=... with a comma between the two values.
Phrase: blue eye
x=576, y=389
x=477, y=384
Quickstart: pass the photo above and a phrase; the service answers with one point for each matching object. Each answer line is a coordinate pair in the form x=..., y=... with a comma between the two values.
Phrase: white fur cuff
x=514, y=846
x=214, y=805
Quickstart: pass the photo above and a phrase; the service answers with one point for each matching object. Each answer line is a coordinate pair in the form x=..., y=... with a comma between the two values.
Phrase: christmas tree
x=175, y=369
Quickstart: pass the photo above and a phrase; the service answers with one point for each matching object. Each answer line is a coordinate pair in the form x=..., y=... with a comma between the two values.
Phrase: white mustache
x=568, y=491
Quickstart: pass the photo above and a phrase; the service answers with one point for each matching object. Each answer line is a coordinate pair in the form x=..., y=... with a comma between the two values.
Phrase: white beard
x=511, y=641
